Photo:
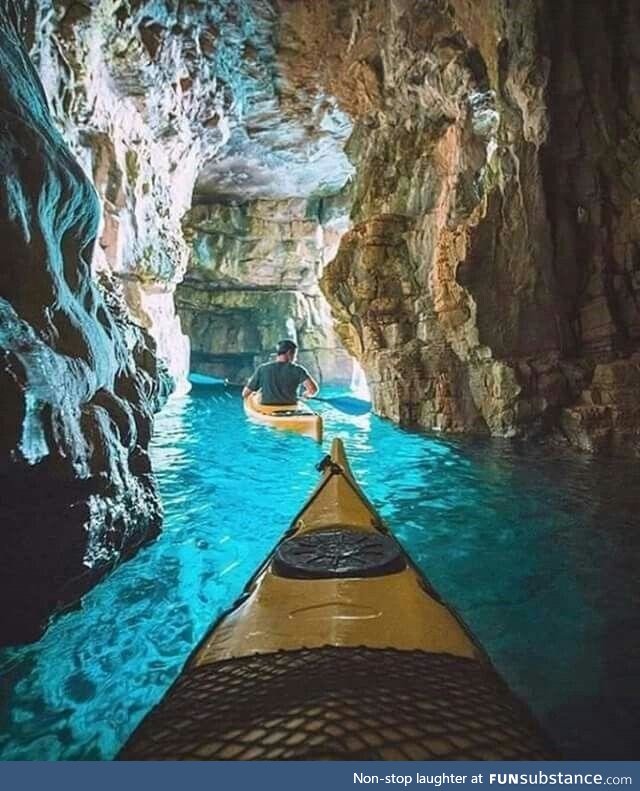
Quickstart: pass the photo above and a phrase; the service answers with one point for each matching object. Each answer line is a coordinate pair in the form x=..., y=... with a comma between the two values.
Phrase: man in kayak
x=278, y=381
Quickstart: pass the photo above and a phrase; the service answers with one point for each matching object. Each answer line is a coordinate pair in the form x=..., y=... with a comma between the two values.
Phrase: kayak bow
x=338, y=649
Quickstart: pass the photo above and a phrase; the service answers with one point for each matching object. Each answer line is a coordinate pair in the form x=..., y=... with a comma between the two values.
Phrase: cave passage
x=450, y=198
x=549, y=592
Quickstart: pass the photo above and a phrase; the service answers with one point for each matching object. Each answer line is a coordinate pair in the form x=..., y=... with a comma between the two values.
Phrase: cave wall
x=78, y=381
x=253, y=279
x=157, y=99
x=489, y=280
x=492, y=150
x=139, y=98
x=144, y=94
x=592, y=182
x=268, y=211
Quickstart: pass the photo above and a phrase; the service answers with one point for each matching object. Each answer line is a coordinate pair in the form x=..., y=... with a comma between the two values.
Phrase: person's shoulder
x=301, y=369
x=262, y=367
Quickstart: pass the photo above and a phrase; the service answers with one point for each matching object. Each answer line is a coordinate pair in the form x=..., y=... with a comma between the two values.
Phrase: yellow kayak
x=291, y=417
x=338, y=649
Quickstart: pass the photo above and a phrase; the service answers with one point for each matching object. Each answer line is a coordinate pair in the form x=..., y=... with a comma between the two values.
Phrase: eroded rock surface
x=78, y=381
x=148, y=98
x=489, y=281
x=461, y=175
x=137, y=99
x=253, y=280
x=503, y=136
x=158, y=98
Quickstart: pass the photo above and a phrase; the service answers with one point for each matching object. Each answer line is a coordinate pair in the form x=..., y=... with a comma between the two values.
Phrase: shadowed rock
x=493, y=256
x=79, y=382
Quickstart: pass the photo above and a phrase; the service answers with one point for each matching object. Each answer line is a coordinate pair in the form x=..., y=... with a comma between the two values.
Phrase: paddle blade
x=348, y=404
x=200, y=380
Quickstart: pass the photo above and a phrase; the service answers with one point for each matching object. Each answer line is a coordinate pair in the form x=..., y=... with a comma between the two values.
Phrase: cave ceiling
x=281, y=141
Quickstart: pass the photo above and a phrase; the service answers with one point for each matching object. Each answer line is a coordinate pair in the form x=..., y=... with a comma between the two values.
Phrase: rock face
x=138, y=102
x=490, y=279
x=156, y=98
x=253, y=280
x=267, y=215
x=78, y=381
x=593, y=187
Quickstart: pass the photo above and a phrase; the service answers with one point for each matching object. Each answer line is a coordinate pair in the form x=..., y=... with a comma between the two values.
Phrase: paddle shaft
x=346, y=404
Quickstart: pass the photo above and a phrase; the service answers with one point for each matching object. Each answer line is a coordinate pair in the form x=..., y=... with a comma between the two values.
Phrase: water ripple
x=538, y=550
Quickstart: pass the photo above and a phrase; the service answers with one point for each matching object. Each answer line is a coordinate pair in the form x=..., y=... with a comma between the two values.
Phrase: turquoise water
x=537, y=549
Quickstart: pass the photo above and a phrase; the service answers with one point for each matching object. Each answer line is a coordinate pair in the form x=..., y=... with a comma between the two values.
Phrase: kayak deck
x=289, y=417
x=339, y=649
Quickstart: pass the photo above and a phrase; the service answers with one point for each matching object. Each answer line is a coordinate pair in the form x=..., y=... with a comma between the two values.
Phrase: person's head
x=287, y=350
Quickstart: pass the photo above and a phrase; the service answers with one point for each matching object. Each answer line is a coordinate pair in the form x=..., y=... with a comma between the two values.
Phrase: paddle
x=346, y=404
x=201, y=380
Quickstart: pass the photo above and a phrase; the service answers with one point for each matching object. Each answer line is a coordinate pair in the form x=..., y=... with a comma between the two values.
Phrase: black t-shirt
x=278, y=382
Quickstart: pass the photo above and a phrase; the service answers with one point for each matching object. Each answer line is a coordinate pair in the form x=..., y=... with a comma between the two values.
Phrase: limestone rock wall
x=144, y=100
x=592, y=184
x=253, y=280
x=146, y=93
x=460, y=176
x=158, y=98
x=133, y=88
x=489, y=281
x=78, y=381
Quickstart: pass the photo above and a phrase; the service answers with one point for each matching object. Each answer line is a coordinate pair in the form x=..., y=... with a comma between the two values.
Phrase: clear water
x=537, y=549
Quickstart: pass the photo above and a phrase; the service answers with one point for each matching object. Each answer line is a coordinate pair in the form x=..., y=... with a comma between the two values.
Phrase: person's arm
x=310, y=387
x=252, y=386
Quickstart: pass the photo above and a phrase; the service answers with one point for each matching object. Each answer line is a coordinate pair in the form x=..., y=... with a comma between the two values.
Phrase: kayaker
x=278, y=381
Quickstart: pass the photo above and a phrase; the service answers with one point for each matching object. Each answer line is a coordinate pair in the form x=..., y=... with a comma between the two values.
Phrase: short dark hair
x=284, y=347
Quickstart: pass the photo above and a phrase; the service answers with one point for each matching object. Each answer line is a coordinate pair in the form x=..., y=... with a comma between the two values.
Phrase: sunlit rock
x=253, y=280
x=156, y=98
x=136, y=93
x=460, y=178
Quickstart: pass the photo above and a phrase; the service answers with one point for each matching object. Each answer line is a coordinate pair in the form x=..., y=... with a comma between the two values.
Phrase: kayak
x=291, y=417
x=338, y=649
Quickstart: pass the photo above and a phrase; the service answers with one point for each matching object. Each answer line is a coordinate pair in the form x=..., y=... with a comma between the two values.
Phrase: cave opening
x=269, y=208
x=252, y=279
